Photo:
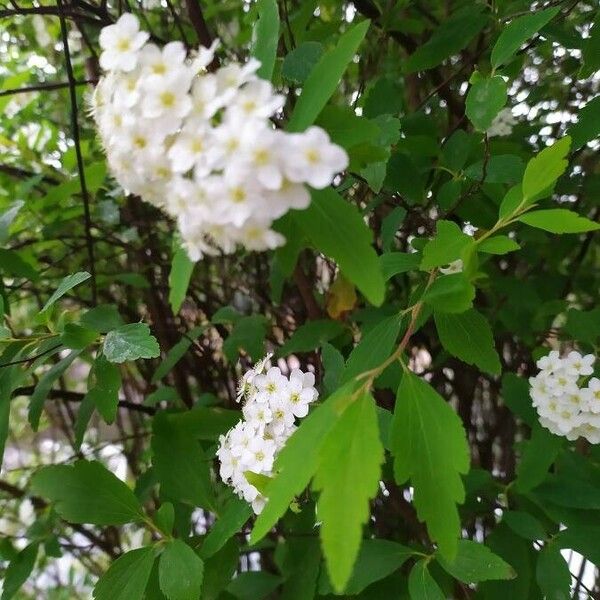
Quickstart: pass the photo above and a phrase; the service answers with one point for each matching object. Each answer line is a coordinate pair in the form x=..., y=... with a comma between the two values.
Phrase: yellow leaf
x=342, y=297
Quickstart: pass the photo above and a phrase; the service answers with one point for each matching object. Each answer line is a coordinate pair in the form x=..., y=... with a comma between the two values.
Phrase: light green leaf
x=19, y=570
x=325, y=77
x=311, y=335
x=485, y=99
x=127, y=577
x=519, y=31
x=394, y=263
x=348, y=477
x=450, y=293
x=230, y=521
x=300, y=61
x=336, y=228
x=544, y=169
x=468, y=336
x=102, y=318
x=587, y=127
x=77, y=337
x=446, y=247
x=558, y=220
x=552, y=573
x=179, y=278
x=430, y=448
x=68, y=283
x=7, y=217
x=421, y=585
x=68, y=488
x=180, y=572
x=130, y=342
x=454, y=34
x=265, y=37
x=474, y=562
x=299, y=459
x=105, y=390
x=498, y=244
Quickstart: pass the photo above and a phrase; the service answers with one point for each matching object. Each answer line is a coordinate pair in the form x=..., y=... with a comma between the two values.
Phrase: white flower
x=255, y=100
x=120, y=44
x=592, y=394
x=258, y=415
x=550, y=363
x=311, y=157
x=270, y=385
x=190, y=149
x=299, y=397
x=576, y=365
x=283, y=416
x=161, y=63
x=259, y=455
x=168, y=98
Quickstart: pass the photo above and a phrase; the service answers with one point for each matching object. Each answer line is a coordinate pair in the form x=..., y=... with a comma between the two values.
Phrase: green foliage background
x=119, y=356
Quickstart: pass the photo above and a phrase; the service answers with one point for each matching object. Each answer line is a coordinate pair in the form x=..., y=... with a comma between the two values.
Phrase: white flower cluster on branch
x=272, y=402
x=566, y=398
x=201, y=146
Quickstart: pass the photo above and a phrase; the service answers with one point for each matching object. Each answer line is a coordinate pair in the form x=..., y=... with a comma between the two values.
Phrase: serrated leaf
x=325, y=76
x=130, y=342
x=337, y=229
x=179, y=278
x=446, y=247
x=347, y=478
x=421, y=585
x=230, y=521
x=552, y=573
x=544, y=169
x=311, y=335
x=517, y=32
x=430, y=448
x=127, y=577
x=180, y=572
x=68, y=488
x=67, y=284
x=77, y=337
x=524, y=525
x=475, y=562
x=485, y=99
x=298, y=460
x=468, y=336
x=105, y=390
x=394, y=263
x=450, y=294
x=558, y=220
x=498, y=244
x=587, y=127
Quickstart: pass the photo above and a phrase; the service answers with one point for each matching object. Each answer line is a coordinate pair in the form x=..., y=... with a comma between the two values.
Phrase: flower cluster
x=502, y=125
x=201, y=145
x=272, y=402
x=566, y=399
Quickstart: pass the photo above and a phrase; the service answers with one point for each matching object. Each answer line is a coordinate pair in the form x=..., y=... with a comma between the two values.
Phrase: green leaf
x=84, y=414
x=265, y=37
x=474, y=562
x=130, y=342
x=177, y=352
x=430, y=448
x=230, y=521
x=310, y=336
x=299, y=459
x=180, y=572
x=301, y=566
x=18, y=570
x=587, y=127
x=348, y=477
x=253, y=585
x=165, y=517
x=377, y=559
x=219, y=569
x=325, y=77
x=7, y=217
x=182, y=469
x=67, y=284
x=300, y=61
x=539, y=454
x=337, y=229
x=590, y=48
x=333, y=365
x=498, y=244
x=77, y=337
x=552, y=573
x=515, y=394
x=524, y=525
x=394, y=263
x=517, y=32
x=127, y=577
x=102, y=318
x=105, y=390
x=485, y=99
x=421, y=585
x=42, y=389
x=454, y=34
x=249, y=335
x=390, y=225
x=544, y=169
x=558, y=220
x=11, y=263
x=179, y=278
x=68, y=488
x=446, y=247
x=450, y=294
x=468, y=336
x=583, y=325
